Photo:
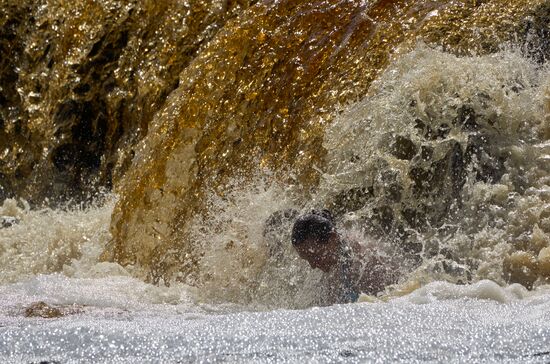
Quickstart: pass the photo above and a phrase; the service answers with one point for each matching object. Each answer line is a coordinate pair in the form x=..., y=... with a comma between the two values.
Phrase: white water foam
x=55, y=240
x=495, y=109
x=441, y=322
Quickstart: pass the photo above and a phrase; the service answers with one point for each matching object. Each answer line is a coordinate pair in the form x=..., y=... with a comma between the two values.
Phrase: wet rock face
x=80, y=83
x=84, y=126
x=438, y=178
x=469, y=157
x=488, y=165
x=16, y=154
x=439, y=182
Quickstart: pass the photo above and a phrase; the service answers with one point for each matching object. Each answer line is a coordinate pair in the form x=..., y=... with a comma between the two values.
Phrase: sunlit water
x=119, y=319
x=251, y=299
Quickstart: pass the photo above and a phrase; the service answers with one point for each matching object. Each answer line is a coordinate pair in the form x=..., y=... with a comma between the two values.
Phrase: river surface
x=116, y=324
x=152, y=170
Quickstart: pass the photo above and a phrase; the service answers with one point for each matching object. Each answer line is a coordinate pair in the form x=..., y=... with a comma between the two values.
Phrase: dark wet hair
x=316, y=225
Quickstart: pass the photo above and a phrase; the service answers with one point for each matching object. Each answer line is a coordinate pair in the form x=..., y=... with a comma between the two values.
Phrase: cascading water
x=448, y=158
x=155, y=162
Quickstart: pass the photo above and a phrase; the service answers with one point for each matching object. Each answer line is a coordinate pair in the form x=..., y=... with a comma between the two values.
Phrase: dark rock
x=426, y=153
x=456, y=168
x=436, y=187
x=443, y=131
x=419, y=125
x=466, y=118
x=351, y=200
x=383, y=217
x=403, y=148
x=411, y=247
x=44, y=310
x=422, y=180
x=348, y=353
x=445, y=176
x=428, y=132
x=447, y=253
x=430, y=248
x=424, y=129
x=388, y=186
x=480, y=154
x=415, y=217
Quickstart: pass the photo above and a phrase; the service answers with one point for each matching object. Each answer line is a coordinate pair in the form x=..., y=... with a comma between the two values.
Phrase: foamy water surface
x=121, y=320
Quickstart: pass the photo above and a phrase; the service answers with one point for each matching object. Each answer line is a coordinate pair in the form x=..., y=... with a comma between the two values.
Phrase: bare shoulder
x=373, y=269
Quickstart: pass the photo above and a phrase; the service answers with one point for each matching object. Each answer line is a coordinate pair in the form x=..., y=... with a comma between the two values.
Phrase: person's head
x=315, y=239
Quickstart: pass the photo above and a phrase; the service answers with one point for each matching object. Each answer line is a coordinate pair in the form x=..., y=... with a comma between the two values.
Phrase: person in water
x=352, y=268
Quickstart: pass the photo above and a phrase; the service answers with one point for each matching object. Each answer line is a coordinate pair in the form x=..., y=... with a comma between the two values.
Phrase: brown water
x=423, y=125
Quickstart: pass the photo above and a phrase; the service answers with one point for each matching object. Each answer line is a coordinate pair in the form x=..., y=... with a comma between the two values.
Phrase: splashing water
x=246, y=252
x=49, y=241
x=444, y=164
x=448, y=157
